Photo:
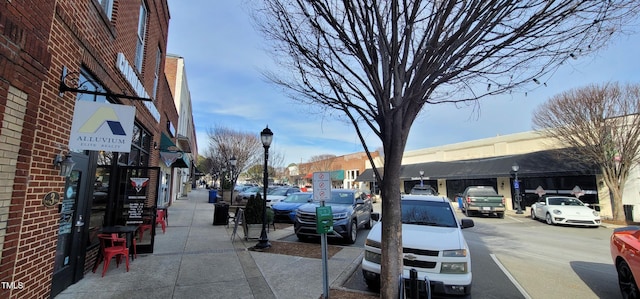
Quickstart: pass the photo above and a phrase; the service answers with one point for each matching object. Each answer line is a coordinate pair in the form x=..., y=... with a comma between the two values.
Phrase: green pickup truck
x=482, y=200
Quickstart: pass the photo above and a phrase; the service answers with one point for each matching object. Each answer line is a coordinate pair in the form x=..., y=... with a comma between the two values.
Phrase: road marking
x=515, y=218
x=513, y=280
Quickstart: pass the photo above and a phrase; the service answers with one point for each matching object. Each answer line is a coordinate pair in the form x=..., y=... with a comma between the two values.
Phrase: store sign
x=102, y=127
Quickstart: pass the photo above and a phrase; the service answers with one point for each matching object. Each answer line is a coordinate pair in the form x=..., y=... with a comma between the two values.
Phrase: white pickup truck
x=433, y=245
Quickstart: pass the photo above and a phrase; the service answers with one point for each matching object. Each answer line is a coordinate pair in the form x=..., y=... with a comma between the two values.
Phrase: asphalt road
x=517, y=257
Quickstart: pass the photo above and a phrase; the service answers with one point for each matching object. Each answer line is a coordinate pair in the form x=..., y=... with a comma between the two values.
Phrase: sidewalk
x=196, y=259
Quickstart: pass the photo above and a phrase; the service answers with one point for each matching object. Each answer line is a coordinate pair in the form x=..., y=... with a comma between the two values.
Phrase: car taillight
x=503, y=200
x=468, y=199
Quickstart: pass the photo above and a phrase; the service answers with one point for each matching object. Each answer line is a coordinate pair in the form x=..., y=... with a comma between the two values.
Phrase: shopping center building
x=544, y=167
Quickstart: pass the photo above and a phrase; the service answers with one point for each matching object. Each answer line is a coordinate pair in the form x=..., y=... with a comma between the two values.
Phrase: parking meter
x=324, y=220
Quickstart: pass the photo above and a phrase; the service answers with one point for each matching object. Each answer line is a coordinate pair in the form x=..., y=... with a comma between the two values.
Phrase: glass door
x=69, y=258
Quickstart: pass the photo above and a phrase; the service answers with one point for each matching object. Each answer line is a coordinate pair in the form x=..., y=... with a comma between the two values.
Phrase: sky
x=224, y=55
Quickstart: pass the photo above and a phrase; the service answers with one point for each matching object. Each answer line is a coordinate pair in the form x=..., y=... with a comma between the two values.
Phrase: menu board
x=136, y=199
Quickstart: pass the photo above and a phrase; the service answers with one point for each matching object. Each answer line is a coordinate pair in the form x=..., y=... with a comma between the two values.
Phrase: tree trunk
x=391, y=230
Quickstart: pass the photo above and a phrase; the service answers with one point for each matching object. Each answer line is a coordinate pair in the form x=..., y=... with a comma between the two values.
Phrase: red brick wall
x=36, y=42
x=28, y=236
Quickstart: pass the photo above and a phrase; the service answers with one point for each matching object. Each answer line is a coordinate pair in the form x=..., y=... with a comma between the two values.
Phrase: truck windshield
x=427, y=213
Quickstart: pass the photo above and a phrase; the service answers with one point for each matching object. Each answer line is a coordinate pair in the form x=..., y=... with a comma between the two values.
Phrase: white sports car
x=564, y=210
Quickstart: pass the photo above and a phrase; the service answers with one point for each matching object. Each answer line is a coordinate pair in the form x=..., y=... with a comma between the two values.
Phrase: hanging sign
x=102, y=127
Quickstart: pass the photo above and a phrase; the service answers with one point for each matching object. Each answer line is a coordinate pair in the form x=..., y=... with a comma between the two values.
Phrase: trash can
x=460, y=203
x=213, y=196
x=221, y=214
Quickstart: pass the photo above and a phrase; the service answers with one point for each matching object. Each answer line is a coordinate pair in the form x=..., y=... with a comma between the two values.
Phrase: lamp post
x=421, y=175
x=374, y=184
x=516, y=185
x=266, y=136
x=233, y=162
x=222, y=179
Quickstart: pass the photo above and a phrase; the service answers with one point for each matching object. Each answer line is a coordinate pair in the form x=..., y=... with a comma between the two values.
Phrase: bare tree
x=226, y=143
x=321, y=162
x=601, y=123
x=377, y=63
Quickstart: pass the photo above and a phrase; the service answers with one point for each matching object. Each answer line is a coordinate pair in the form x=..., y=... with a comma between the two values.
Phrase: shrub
x=253, y=210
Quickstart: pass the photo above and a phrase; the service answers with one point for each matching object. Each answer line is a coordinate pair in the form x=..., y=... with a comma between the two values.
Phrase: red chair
x=162, y=220
x=112, y=246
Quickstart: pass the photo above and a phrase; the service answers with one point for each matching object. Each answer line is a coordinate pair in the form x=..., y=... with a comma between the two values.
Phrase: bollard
x=413, y=284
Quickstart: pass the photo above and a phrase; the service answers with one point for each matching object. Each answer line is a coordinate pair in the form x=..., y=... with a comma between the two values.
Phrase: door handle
x=79, y=223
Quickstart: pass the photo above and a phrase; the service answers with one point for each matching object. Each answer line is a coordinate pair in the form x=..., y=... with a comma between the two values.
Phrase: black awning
x=542, y=163
x=180, y=163
x=367, y=175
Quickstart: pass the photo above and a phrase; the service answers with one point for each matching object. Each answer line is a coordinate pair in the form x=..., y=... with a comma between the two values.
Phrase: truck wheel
x=500, y=215
x=353, y=233
x=468, y=213
x=373, y=284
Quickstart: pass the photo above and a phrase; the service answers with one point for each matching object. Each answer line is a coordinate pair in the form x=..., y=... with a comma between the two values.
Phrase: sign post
x=324, y=221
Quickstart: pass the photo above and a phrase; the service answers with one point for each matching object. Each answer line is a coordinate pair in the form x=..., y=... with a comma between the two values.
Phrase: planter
x=252, y=231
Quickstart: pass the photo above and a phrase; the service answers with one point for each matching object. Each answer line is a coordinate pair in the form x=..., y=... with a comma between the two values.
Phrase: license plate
x=486, y=208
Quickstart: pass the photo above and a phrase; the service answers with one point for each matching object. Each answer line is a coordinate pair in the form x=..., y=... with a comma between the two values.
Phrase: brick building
x=107, y=53
x=344, y=170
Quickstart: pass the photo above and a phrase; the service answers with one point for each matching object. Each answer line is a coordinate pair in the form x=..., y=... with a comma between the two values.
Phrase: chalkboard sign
x=238, y=219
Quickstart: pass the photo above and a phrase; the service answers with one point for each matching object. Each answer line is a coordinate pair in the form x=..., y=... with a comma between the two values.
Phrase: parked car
x=244, y=195
x=625, y=252
x=423, y=190
x=483, y=200
x=351, y=210
x=285, y=210
x=433, y=245
x=564, y=210
x=277, y=194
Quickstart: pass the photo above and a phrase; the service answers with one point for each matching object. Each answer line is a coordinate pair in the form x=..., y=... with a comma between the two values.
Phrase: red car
x=625, y=252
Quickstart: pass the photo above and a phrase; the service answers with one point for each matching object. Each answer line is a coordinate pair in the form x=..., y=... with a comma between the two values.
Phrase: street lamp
x=266, y=136
x=374, y=184
x=222, y=179
x=516, y=185
x=421, y=175
x=233, y=161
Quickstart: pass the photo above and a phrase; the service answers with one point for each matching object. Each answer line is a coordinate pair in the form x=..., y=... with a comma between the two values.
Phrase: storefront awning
x=167, y=145
x=171, y=155
x=337, y=175
x=175, y=159
x=367, y=175
x=547, y=163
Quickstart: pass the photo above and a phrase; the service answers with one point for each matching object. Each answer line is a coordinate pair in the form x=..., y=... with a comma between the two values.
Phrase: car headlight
x=454, y=253
x=596, y=213
x=372, y=243
x=454, y=268
x=372, y=257
x=557, y=212
x=337, y=216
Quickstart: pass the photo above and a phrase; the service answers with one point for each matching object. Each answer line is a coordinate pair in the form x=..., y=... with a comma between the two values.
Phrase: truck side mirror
x=375, y=216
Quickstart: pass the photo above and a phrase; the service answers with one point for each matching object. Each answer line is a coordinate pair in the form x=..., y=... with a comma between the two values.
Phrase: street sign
x=321, y=186
x=516, y=185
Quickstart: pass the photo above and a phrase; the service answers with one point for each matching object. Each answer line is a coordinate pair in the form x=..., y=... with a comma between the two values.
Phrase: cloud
x=223, y=55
